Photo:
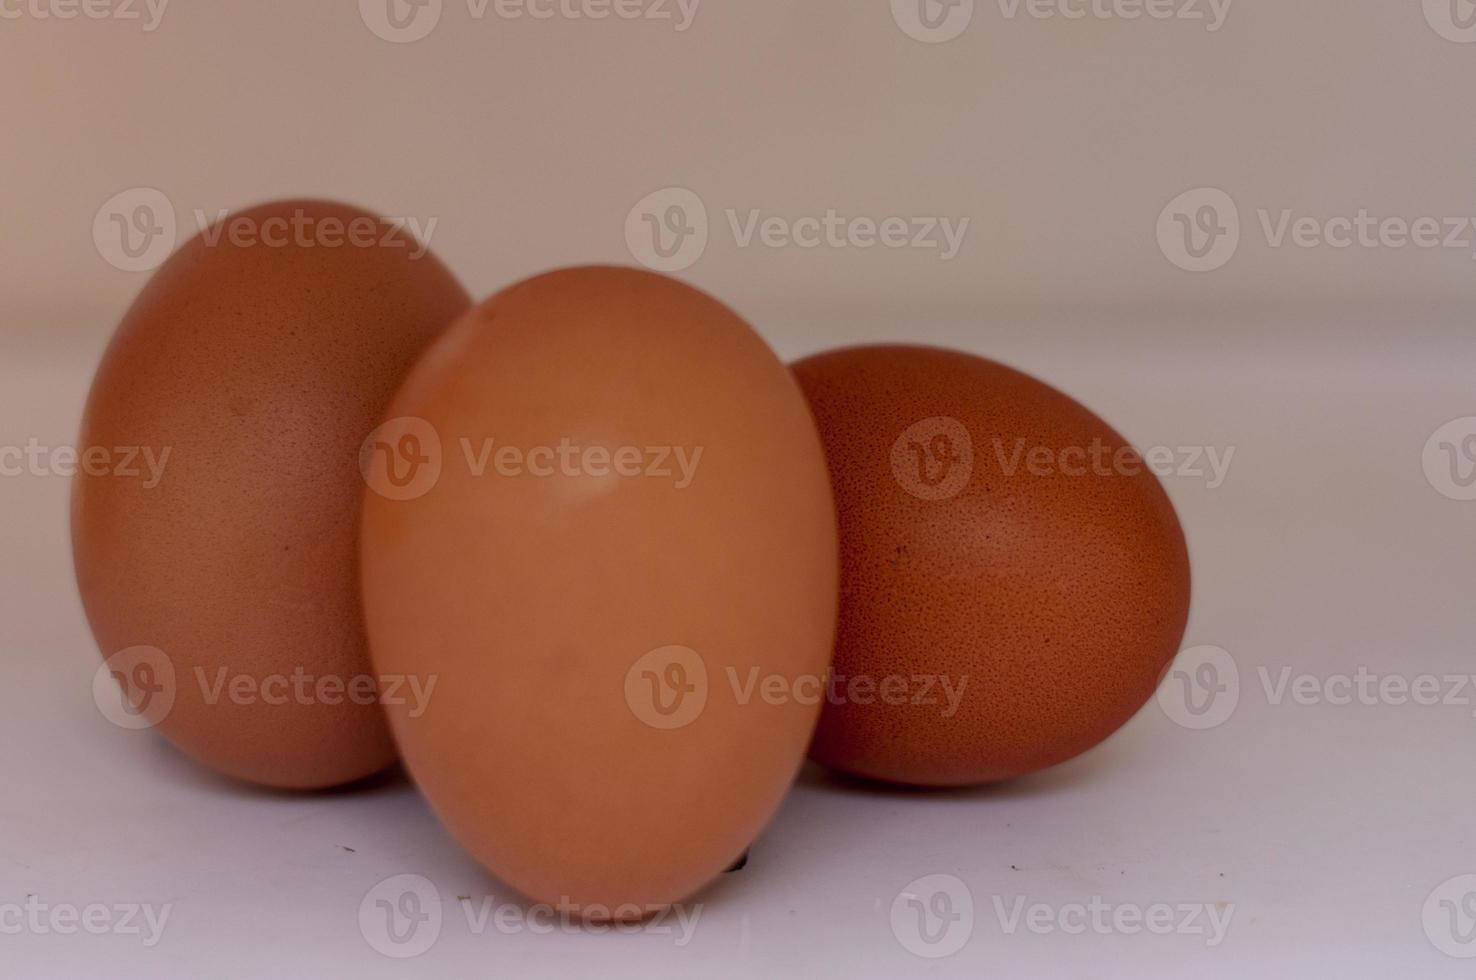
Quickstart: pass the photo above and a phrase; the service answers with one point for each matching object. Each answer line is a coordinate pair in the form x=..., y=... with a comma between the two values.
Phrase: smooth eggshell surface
x=615, y=556
x=1011, y=574
x=258, y=363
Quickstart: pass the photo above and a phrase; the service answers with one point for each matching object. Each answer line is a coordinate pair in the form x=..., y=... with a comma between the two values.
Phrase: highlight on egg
x=222, y=586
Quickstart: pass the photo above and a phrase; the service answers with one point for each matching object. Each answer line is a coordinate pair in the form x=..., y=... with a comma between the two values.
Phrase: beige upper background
x=529, y=140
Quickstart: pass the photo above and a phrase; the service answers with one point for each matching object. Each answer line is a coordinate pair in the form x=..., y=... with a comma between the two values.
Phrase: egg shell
x=550, y=602
x=258, y=362
x=988, y=548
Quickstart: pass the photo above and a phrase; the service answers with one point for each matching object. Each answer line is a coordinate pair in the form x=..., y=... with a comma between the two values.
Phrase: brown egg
x=221, y=581
x=1013, y=579
x=600, y=524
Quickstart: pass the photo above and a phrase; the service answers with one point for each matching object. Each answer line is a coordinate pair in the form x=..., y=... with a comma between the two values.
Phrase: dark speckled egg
x=1014, y=579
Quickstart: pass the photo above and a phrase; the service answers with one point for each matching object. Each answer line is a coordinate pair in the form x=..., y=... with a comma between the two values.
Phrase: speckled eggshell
x=260, y=363
x=551, y=601
x=1051, y=594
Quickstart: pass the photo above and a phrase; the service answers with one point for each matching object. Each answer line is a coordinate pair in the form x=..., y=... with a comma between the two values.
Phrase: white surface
x=1325, y=827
